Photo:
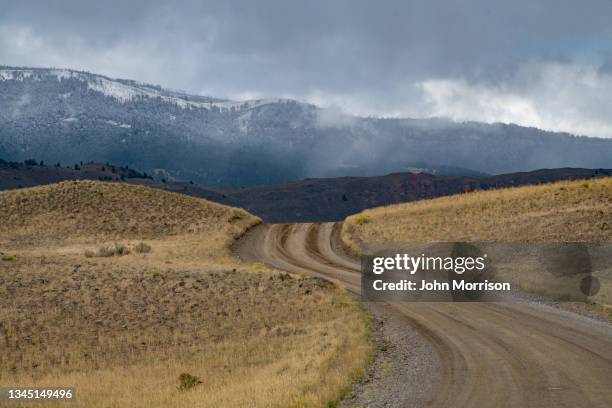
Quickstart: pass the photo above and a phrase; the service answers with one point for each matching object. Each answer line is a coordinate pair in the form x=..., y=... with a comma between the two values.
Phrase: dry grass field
x=575, y=211
x=117, y=290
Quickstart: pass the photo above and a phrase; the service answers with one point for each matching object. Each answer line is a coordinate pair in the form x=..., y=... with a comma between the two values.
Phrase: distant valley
x=330, y=199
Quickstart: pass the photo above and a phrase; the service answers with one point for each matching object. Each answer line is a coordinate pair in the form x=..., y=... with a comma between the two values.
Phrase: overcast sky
x=539, y=63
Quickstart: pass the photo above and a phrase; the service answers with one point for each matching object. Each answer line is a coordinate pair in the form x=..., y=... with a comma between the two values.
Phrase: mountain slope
x=69, y=116
x=334, y=199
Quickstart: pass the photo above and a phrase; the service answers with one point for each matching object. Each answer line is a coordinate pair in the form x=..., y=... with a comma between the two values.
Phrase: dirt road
x=489, y=355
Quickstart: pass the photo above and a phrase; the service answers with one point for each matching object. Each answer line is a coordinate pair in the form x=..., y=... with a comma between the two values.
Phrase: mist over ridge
x=66, y=116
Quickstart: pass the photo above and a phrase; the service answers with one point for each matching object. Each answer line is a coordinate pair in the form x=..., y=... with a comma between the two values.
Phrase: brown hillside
x=91, y=208
x=121, y=290
x=578, y=211
x=564, y=211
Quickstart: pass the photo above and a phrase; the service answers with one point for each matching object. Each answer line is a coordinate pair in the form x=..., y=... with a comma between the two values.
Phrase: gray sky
x=538, y=63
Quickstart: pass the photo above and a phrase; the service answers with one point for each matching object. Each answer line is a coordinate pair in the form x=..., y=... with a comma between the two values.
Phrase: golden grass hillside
x=122, y=326
x=77, y=209
x=574, y=211
x=565, y=211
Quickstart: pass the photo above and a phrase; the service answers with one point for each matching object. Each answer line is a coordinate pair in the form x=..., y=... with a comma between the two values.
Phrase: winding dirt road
x=490, y=354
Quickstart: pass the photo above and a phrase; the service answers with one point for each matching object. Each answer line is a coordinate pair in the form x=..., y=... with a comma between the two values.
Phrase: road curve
x=491, y=355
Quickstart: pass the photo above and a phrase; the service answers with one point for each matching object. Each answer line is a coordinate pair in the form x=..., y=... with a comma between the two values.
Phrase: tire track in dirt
x=490, y=355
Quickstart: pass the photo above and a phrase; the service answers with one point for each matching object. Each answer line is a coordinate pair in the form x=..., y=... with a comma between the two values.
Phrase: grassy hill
x=575, y=211
x=78, y=209
x=118, y=290
x=564, y=211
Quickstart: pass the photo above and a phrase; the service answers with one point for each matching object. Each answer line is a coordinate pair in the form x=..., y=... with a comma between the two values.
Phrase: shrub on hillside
x=362, y=219
x=188, y=381
x=7, y=257
x=142, y=248
x=108, y=250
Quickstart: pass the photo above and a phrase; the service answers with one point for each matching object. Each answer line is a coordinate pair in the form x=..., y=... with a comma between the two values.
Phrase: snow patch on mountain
x=128, y=91
x=13, y=75
x=121, y=125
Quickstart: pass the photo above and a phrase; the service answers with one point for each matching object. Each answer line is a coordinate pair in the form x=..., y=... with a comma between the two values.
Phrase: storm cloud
x=546, y=64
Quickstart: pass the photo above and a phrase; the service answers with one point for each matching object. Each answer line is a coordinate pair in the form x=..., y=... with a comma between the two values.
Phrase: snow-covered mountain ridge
x=127, y=90
x=67, y=116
